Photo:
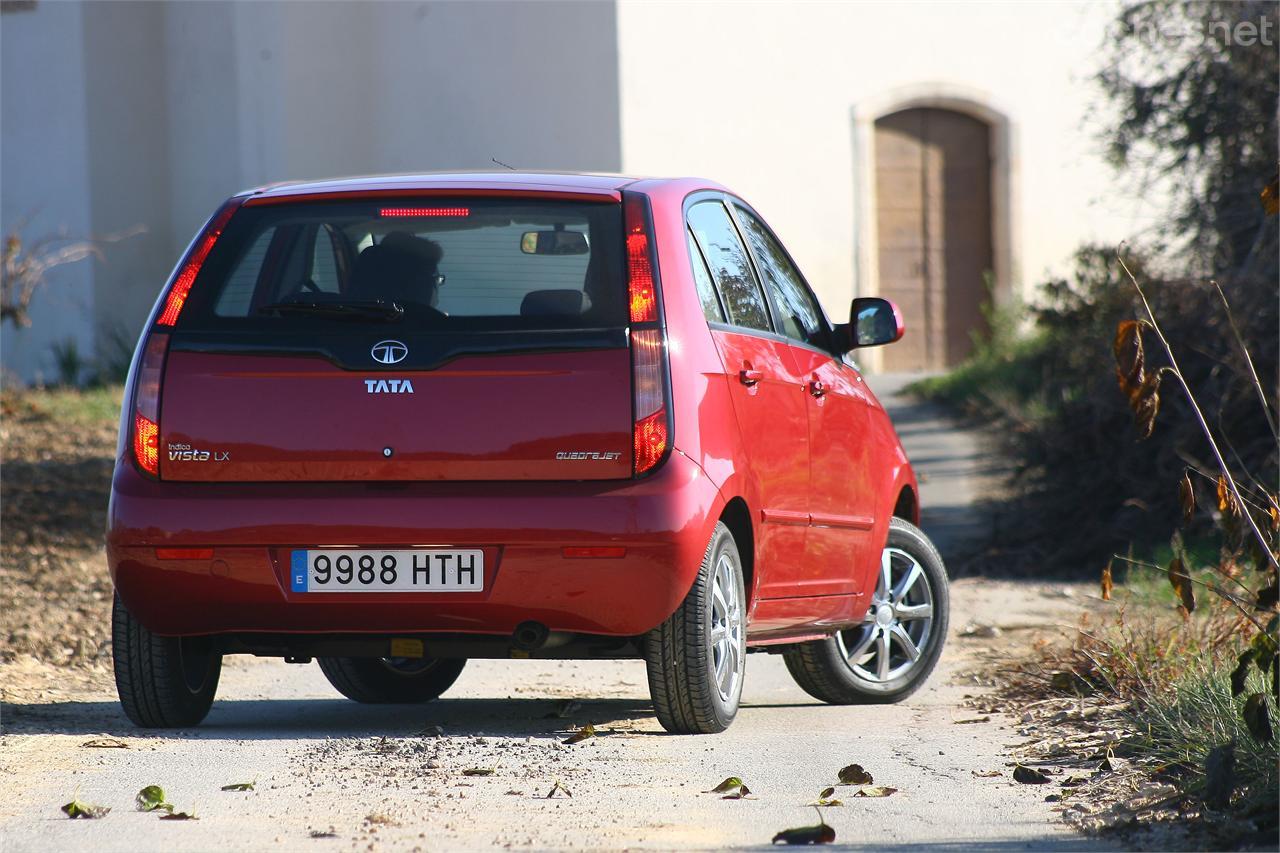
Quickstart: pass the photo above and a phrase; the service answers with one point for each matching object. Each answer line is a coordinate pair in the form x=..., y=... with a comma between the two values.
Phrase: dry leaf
x=105, y=743
x=86, y=811
x=1029, y=776
x=855, y=775
x=1187, y=498
x=587, y=731
x=1256, y=717
x=727, y=785
x=478, y=771
x=559, y=787
x=875, y=791
x=1181, y=583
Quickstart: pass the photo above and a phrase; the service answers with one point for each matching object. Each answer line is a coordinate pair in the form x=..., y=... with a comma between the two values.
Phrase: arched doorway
x=933, y=231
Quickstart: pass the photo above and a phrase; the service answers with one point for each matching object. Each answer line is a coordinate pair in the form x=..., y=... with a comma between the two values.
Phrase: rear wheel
x=696, y=659
x=391, y=681
x=889, y=655
x=163, y=682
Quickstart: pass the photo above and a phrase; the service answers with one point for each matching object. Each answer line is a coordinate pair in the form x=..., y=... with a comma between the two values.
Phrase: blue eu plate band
x=298, y=571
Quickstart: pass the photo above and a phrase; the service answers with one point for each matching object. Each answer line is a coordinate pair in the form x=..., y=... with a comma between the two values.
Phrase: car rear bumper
x=663, y=522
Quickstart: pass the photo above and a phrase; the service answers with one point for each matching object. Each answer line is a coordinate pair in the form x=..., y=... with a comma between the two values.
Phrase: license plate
x=421, y=570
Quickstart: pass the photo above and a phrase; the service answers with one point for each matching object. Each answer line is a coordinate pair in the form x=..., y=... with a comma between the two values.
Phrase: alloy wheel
x=896, y=631
x=726, y=627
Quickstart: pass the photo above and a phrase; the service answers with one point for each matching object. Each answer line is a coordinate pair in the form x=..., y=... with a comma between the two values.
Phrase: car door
x=769, y=402
x=841, y=503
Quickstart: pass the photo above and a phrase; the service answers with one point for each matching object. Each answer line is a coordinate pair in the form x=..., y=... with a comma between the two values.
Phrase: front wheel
x=891, y=653
x=163, y=682
x=696, y=659
x=391, y=681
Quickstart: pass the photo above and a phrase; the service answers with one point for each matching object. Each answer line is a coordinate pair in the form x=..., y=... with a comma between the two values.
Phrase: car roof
x=551, y=182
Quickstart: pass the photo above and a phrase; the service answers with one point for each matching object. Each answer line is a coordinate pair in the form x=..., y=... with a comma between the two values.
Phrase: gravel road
x=394, y=778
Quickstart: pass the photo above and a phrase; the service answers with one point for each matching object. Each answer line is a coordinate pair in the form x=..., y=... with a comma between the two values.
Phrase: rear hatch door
x=446, y=339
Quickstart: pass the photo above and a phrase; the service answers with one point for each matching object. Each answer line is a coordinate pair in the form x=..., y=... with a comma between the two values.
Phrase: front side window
x=799, y=316
x=730, y=267
x=462, y=264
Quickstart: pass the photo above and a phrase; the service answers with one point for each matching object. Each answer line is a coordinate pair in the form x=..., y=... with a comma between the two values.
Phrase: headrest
x=543, y=303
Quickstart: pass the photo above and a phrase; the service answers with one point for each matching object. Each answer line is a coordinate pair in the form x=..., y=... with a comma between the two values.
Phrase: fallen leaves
x=105, y=743
x=84, y=811
x=732, y=788
x=151, y=799
x=179, y=816
x=479, y=771
x=875, y=791
x=803, y=835
x=854, y=775
x=239, y=786
x=826, y=798
x=1029, y=776
x=559, y=787
x=587, y=731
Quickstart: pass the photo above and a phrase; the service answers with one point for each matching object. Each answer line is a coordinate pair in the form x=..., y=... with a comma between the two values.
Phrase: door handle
x=817, y=389
x=750, y=377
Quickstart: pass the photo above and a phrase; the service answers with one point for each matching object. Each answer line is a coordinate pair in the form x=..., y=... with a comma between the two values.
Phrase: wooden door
x=933, y=218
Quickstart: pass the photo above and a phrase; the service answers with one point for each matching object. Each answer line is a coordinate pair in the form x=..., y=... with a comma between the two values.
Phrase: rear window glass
x=447, y=264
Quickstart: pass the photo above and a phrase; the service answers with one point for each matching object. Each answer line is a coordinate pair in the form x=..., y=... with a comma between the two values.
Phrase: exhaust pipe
x=530, y=636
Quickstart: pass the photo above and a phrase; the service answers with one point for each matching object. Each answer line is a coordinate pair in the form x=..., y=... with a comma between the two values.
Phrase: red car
x=395, y=423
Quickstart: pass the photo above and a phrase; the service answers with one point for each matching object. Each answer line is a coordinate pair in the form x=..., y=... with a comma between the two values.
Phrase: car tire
x=163, y=682
x=392, y=681
x=696, y=659
x=873, y=662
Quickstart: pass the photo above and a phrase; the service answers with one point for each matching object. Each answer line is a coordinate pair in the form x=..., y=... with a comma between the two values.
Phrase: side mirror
x=872, y=321
x=558, y=242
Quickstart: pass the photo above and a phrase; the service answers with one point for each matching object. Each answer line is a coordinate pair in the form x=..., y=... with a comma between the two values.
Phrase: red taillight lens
x=146, y=444
x=146, y=403
x=177, y=296
x=650, y=378
x=643, y=295
x=650, y=441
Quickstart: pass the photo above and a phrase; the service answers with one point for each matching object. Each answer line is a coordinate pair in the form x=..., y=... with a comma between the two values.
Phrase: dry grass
x=55, y=475
x=1127, y=715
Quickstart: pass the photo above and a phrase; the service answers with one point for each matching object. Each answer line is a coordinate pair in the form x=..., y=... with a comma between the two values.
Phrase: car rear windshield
x=450, y=264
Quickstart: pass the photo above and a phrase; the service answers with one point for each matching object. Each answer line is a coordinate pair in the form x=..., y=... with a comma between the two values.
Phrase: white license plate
x=420, y=570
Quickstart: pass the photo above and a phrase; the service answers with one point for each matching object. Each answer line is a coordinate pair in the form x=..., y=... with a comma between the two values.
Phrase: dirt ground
x=377, y=776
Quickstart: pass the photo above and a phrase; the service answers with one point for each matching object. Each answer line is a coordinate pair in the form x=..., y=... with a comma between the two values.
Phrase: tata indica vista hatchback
x=395, y=423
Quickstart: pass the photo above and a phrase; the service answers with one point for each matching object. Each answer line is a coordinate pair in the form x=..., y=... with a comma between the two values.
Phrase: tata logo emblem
x=389, y=352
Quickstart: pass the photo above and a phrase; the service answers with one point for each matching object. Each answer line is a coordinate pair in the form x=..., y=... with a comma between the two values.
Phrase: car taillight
x=649, y=371
x=181, y=287
x=146, y=403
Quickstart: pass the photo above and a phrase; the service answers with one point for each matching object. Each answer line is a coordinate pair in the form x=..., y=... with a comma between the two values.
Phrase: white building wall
x=190, y=102
x=44, y=173
x=761, y=97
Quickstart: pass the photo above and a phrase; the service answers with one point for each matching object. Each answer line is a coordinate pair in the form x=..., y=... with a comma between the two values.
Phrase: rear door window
x=460, y=264
x=795, y=307
x=711, y=308
x=730, y=267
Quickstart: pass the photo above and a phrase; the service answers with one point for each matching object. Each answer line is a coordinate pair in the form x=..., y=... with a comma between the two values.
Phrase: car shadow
x=302, y=719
